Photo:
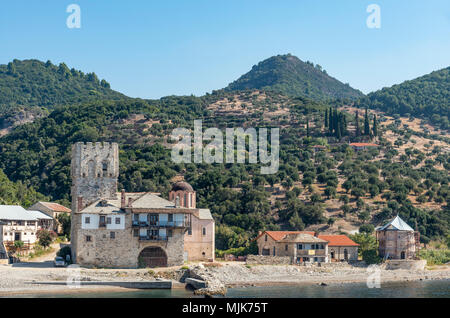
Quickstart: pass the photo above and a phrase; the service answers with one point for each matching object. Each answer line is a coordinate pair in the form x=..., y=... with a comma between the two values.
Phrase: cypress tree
x=357, y=132
x=326, y=118
x=330, y=121
x=307, y=127
x=366, y=124
x=375, y=128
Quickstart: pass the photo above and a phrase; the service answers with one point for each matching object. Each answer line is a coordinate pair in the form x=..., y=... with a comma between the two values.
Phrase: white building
x=20, y=224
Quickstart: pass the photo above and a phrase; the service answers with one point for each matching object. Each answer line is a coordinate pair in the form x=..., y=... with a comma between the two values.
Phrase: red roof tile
x=338, y=240
x=363, y=144
x=56, y=207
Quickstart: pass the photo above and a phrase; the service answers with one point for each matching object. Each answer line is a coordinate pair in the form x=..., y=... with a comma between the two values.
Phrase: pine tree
x=366, y=124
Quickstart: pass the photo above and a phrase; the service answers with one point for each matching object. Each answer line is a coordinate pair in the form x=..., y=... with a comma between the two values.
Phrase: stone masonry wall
x=268, y=260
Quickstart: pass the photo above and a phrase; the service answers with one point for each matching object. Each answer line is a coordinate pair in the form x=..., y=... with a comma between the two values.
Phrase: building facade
x=18, y=225
x=111, y=229
x=53, y=210
x=306, y=246
x=397, y=240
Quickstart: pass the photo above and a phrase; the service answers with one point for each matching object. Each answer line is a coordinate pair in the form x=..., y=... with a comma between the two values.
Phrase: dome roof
x=182, y=186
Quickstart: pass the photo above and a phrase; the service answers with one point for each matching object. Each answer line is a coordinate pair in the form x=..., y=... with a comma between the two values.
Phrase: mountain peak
x=289, y=75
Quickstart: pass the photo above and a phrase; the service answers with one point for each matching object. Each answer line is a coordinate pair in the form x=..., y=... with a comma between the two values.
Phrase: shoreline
x=109, y=289
x=19, y=281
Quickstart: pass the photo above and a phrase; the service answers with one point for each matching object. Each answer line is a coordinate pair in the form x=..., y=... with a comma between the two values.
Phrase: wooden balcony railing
x=153, y=238
x=320, y=252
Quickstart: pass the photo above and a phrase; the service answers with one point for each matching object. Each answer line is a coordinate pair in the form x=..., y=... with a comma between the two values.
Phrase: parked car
x=59, y=262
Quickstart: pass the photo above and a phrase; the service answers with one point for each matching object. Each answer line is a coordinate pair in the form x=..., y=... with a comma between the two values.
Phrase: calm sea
x=420, y=289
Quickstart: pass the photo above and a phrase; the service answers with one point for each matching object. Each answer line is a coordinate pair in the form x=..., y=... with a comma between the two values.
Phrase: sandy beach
x=21, y=278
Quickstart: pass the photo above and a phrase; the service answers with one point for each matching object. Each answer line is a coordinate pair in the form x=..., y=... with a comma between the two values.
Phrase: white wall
x=93, y=224
x=113, y=225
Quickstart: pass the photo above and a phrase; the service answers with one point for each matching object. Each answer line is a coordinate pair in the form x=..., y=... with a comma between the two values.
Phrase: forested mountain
x=289, y=75
x=427, y=96
x=30, y=88
x=312, y=189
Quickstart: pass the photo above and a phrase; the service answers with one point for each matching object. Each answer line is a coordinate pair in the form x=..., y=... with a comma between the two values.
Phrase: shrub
x=371, y=256
x=66, y=250
x=435, y=257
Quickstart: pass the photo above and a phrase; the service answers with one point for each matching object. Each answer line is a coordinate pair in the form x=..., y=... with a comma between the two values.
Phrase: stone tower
x=94, y=170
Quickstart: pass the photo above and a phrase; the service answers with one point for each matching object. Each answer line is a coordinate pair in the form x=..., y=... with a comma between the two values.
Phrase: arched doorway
x=403, y=255
x=333, y=254
x=346, y=254
x=152, y=256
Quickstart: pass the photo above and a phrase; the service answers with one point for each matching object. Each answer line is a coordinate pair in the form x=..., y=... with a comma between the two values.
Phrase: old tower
x=397, y=240
x=94, y=171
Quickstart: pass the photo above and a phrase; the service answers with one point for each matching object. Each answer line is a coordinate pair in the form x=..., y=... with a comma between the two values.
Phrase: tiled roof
x=204, y=214
x=151, y=201
x=338, y=240
x=278, y=235
x=363, y=144
x=55, y=207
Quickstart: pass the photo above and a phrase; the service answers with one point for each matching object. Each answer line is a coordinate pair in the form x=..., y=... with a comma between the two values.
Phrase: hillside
x=336, y=190
x=30, y=88
x=427, y=97
x=289, y=75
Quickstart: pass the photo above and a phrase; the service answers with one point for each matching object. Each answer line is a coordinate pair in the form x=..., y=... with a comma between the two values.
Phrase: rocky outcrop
x=213, y=285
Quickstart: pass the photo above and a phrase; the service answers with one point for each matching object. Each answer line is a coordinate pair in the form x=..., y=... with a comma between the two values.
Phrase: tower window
x=204, y=231
x=105, y=167
x=112, y=235
x=87, y=220
x=88, y=238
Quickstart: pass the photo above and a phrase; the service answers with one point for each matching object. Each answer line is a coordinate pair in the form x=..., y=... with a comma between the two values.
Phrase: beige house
x=53, y=210
x=397, y=240
x=341, y=248
x=111, y=229
x=305, y=246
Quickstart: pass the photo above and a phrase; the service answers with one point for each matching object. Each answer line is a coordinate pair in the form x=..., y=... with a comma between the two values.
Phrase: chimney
x=122, y=199
x=316, y=233
x=79, y=204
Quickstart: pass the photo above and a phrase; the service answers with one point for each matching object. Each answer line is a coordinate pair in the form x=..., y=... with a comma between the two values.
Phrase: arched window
x=177, y=201
x=186, y=201
x=346, y=254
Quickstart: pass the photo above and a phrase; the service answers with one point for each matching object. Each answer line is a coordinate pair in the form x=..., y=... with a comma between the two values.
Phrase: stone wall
x=122, y=251
x=90, y=179
x=268, y=260
x=406, y=264
x=394, y=243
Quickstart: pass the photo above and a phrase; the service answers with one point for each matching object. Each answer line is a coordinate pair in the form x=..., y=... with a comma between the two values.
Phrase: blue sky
x=150, y=49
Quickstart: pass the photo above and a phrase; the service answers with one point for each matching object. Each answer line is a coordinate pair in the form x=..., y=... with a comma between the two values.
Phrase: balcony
x=153, y=238
x=311, y=253
x=165, y=224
